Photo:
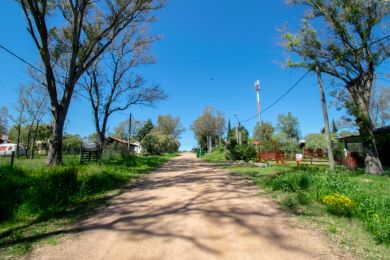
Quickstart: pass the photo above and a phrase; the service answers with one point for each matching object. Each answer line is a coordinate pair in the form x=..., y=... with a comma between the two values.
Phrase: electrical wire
x=42, y=72
x=302, y=78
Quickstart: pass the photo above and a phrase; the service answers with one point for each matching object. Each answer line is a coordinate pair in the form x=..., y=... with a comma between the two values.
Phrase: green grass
x=215, y=156
x=38, y=203
x=364, y=229
x=301, y=190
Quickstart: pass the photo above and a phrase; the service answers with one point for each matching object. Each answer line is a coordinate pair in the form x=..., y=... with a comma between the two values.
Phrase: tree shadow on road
x=217, y=197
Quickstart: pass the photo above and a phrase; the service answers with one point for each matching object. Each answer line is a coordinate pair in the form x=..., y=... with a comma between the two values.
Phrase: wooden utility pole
x=326, y=121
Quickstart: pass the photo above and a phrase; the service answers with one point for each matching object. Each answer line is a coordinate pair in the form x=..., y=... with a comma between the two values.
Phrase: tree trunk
x=326, y=122
x=18, y=141
x=209, y=144
x=34, y=140
x=28, y=139
x=54, y=156
x=361, y=100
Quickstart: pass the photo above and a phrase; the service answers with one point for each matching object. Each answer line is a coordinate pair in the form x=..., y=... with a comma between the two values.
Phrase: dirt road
x=189, y=209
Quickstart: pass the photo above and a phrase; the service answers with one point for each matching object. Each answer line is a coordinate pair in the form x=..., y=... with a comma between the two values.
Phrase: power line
x=21, y=59
x=303, y=77
x=42, y=72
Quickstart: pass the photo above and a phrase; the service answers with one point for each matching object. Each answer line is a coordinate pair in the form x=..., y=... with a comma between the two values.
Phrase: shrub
x=151, y=145
x=245, y=152
x=303, y=198
x=339, y=204
x=156, y=144
x=289, y=202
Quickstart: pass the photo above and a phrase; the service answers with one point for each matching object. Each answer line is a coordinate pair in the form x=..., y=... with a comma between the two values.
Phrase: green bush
x=43, y=192
x=303, y=197
x=245, y=152
x=344, y=193
x=156, y=144
x=290, y=202
x=151, y=145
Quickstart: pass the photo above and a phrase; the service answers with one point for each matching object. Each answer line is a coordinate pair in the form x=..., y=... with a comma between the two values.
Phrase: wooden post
x=12, y=159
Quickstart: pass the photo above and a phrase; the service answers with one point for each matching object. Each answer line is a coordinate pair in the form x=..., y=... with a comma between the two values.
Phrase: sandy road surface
x=189, y=210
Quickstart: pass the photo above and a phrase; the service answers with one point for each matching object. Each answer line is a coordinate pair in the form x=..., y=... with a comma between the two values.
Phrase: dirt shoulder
x=189, y=209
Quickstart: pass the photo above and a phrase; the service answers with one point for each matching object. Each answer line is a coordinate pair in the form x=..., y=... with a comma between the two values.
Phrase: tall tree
x=35, y=98
x=208, y=127
x=145, y=130
x=334, y=127
x=229, y=129
x=349, y=47
x=3, y=120
x=263, y=131
x=289, y=125
x=20, y=118
x=113, y=86
x=70, y=36
x=169, y=125
x=380, y=107
x=121, y=131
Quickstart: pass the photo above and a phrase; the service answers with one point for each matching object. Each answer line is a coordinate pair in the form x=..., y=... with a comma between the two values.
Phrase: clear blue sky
x=211, y=54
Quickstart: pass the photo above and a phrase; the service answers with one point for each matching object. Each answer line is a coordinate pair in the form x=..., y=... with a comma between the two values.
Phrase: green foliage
x=245, y=152
x=3, y=120
x=145, y=130
x=33, y=196
x=215, y=156
x=315, y=142
x=156, y=144
x=210, y=125
x=285, y=143
x=289, y=125
x=339, y=204
x=263, y=132
x=168, y=125
x=71, y=143
x=342, y=193
x=290, y=202
x=349, y=47
x=151, y=144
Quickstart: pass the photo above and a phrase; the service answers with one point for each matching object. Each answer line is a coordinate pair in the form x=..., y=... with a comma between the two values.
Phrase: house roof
x=111, y=139
x=356, y=137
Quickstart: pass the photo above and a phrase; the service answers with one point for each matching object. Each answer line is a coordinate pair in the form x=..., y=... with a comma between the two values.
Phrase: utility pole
x=257, y=86
x=129, y=134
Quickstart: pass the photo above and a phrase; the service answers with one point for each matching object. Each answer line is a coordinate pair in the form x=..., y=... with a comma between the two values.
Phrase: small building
x=353, y=144
x=133, y=146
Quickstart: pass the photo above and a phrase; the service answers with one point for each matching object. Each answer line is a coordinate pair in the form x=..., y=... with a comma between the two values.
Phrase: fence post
x=12, y=159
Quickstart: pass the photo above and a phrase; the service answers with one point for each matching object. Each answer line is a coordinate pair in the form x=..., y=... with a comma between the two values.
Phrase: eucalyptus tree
x=263, y=131
x=3, y=120
x=70, y=36
x=289, y=125
x=209, y=126
x=346, y=40
x=169, y=125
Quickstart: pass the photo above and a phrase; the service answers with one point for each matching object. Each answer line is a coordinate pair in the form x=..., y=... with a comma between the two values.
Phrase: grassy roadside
x=351, y=208
x=38, y=203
